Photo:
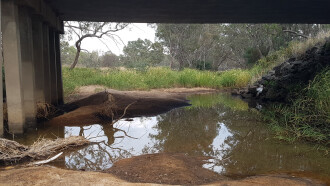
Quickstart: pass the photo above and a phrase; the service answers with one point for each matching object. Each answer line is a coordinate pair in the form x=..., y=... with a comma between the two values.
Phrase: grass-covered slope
x=308, y=116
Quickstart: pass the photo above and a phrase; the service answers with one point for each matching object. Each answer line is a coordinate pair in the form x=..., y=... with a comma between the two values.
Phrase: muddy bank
x=165, y=168
x=54, y=176
x=179, y=169
x=105, y=106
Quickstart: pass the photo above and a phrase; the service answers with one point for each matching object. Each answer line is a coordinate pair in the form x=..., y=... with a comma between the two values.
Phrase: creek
x=238, y=142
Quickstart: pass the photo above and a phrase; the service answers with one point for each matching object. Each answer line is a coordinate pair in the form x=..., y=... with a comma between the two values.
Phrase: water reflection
x=218, y=126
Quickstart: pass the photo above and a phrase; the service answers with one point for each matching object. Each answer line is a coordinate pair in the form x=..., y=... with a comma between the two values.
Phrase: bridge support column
x=38, y=58
x=26, y=44
x=52, y=63
x=1, y=84
x=46, y=61
x=12, y=61
x=59, y=69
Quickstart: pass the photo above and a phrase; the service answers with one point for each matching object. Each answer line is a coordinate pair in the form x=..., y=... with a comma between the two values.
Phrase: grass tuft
x=308, y=117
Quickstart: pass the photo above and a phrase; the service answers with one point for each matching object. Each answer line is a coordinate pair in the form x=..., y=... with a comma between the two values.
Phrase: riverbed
x=237, y=142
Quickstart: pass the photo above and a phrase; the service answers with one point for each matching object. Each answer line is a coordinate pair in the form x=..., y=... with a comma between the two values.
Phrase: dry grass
x=301, y=47
x=12, y=152
x=295, y=49
x=45, y=111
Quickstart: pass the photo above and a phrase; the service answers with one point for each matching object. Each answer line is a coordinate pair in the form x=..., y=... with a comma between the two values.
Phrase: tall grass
x=152, y=78
x=294, y=49
x=308, y=116
x=163, y=77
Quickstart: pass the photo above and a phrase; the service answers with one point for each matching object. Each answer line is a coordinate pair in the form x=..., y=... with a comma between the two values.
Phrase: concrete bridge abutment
x=31, y=57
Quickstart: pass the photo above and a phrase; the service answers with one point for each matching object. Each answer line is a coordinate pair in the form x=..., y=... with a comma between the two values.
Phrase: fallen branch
x=121, y=117
x=47, y=160
x=296, y=33
x=12, y=152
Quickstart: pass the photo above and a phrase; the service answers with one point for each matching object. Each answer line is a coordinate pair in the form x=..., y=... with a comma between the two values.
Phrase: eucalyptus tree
x=99, y=30
x=142, y=53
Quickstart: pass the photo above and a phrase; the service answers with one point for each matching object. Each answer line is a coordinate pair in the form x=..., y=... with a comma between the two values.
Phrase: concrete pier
x=59, y=82
x=1, y=84
x=38, y=58
x=13, y=66
x=27, y=72
x=30, y=30
x=52, y=69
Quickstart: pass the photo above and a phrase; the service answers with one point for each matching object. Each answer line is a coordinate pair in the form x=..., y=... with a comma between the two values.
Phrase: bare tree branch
x=97, y=30
x=296, y=33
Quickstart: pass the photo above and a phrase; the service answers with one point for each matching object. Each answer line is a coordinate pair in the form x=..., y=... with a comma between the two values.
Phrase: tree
x=141, y=53
x=194, y=45
x=67, y=52
x=83, y=30
x=109, y=59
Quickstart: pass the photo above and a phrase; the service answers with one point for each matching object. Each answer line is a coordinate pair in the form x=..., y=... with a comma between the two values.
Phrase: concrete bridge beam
x=26, y=44
x=38, y=57
x=59, y=82
x=1, y=84
x=46, y=61
x=52, y=64
x=13, y=66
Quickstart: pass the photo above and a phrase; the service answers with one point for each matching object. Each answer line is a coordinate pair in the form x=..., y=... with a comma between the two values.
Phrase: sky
x=131, y=33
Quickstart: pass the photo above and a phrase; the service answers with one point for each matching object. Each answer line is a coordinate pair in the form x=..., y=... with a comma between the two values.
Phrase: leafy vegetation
x=160, y=77
x=308, y=116
x=164, y=77
x=198, y=46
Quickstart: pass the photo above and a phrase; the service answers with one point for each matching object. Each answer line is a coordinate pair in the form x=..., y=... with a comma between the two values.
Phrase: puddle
x=216, y=125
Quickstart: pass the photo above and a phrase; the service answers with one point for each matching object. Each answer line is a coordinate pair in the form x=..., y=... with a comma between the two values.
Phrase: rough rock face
x=291, y=75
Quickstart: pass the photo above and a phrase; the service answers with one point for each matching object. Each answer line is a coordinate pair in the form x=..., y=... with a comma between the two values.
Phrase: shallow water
x=216, y=125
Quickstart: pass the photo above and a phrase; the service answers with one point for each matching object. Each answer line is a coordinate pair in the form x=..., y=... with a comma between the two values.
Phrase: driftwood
x=12, y=152
x=47, y=160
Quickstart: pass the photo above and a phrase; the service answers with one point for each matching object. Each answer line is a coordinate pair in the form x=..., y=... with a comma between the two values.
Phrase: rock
x=252, y=91
x=294, y=71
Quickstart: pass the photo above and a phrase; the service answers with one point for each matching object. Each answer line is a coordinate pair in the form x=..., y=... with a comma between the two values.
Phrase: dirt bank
x=54, y=176
x=86, y=91
x=177, y=168
x=165, y=168
x=104, y=106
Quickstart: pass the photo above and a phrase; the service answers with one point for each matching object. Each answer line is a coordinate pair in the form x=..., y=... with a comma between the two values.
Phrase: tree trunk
x=76, y=58
x=171, y=63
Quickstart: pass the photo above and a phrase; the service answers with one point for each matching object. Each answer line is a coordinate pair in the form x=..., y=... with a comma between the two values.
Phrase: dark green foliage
x=203, y=65
x=308, y=116
x=142, y=53
x=251, y=56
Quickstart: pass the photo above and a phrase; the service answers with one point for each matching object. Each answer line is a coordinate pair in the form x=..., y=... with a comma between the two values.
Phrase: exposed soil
x=177, y=168
x=54, y=176
x=159, y=168
x=165, y=168
x=104, y=106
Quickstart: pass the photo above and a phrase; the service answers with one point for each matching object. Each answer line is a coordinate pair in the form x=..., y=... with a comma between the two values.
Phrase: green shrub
x=308, y=116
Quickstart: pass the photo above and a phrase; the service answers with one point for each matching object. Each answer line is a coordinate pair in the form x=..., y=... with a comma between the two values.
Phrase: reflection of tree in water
x=98, y=156
x=247, y=148
x=187, y=131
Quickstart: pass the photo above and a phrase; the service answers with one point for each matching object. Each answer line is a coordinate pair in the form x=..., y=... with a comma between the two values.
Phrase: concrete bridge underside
x=31, y=36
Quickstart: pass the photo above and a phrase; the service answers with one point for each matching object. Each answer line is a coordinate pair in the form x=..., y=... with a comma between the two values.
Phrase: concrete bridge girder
x=31, y=52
